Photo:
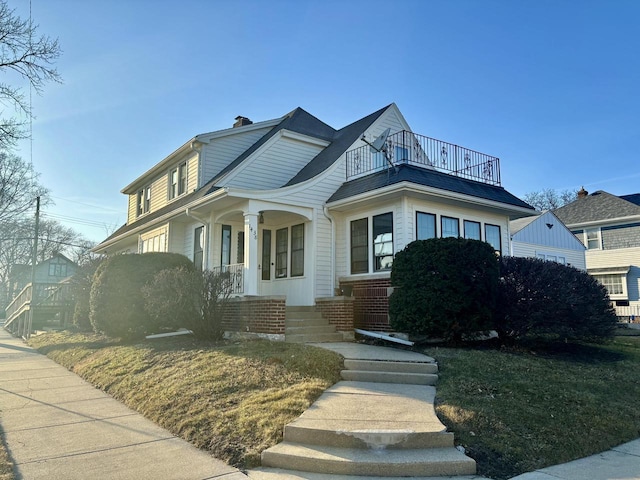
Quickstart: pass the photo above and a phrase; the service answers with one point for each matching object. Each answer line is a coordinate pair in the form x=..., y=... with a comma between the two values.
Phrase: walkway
x=58, y=426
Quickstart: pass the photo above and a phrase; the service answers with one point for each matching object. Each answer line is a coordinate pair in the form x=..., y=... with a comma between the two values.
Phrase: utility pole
x=34, y=260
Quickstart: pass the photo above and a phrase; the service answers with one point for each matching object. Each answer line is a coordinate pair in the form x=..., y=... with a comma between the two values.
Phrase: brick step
x=372, y=463
x=389, y=377
x=389, y=366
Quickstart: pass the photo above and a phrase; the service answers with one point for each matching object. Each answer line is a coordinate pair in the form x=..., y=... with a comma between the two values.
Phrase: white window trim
x=586, y=238
x=370, y=255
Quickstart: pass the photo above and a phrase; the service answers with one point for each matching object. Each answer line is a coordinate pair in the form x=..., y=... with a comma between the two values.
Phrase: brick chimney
x=582, y=193
x=241, y=121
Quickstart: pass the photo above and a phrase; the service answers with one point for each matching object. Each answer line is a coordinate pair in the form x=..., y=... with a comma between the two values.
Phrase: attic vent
x=241, y=121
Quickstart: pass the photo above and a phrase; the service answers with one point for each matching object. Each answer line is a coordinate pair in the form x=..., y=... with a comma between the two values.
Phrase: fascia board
x=185, y=149
x=411, y=187
x=207, y=137
x=247, y=162
x=605, y=222
x=163, y=218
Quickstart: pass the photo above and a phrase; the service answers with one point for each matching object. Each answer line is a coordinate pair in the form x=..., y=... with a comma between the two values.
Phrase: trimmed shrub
x=444, y=287
x=81, y=291
x=117, y=306
x=190, y=299
x=538, y=297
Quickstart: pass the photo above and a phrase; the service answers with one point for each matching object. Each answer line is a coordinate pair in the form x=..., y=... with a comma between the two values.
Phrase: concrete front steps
x=385, y=371
x=367, y=430
x=306, y=325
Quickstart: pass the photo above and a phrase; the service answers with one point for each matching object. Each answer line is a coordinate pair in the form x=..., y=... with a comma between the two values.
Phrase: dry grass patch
x=232, y=399
x=519, y=410
x=6, y=465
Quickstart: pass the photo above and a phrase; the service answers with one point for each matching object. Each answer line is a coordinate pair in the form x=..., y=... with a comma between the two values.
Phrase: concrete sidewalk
x=57, y=426
x=619, y=463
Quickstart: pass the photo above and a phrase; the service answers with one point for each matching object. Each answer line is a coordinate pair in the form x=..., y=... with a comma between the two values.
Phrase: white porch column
x=251, y=254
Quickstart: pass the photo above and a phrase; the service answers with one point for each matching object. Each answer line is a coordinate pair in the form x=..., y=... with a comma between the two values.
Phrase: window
x=144, y=200
x=240, y=250
x=613, y=283
x=593, y=239
x=225, y=248
x=492, y=237
x=450, y=227
x=383, y=241
x=57, y=267
x=360, y=246
x=157, y=243
x=472, y=230
x=297, y=250
x=425, y=226
x=401, y=154
x=266, y=255
x=378, y=160
x=198, y=248
x=282, y=243
x=178, y=180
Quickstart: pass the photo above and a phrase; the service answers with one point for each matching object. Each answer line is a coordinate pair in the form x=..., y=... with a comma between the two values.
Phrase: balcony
x=409, y=148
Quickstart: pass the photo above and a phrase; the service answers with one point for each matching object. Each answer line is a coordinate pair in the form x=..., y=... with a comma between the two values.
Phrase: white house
x=301, y=213
x=609, y=227
x=545, y=237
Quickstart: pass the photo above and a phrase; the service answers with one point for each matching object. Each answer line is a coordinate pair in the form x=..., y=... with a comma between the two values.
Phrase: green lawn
x=514, y=410
x=518, y=410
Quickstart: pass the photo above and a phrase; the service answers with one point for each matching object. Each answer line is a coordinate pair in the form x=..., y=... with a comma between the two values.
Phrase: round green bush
x=538, y=297
x=444, y=287
x=117, y=306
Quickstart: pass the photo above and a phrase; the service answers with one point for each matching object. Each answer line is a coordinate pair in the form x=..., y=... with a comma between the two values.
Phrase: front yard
x=514, y=410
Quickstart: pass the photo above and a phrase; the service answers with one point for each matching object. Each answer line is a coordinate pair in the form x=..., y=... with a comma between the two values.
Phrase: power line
x=113, y=210
x=82, y=221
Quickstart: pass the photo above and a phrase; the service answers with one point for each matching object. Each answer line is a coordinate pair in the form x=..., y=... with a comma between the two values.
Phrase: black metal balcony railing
x=409, y=148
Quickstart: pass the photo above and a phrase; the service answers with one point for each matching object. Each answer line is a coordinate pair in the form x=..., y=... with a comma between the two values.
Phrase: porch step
x=306, y=325
x=314, y=338
x=371, y=463
x=389, y=366
x=390, y=371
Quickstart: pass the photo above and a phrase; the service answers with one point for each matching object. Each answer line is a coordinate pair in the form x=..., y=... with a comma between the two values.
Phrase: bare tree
x=30, y=56
x=19, y=188
x=550, y=199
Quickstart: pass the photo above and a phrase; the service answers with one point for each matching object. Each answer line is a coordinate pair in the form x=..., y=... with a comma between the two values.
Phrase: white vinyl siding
x=222, y=151
x=155, y=240
x=275, y=165
x=574, y=258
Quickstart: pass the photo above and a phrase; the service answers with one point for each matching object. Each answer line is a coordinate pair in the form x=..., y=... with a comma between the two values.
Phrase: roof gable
x=544, y=229
x=597, y=206
x=341, y=141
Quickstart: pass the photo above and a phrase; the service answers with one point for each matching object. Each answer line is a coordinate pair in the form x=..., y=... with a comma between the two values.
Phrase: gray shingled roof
x=298, y=120
x=428, y=178
x=597, y=206
x=342, y=140
x=633, y=198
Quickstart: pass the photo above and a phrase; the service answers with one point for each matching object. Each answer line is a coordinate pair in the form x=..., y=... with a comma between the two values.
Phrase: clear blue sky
x=550, y=87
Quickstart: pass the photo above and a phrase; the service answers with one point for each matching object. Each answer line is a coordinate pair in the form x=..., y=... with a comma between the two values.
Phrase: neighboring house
x=545, y=237
x=50, y=300
x=609, y=227
x=300, y=213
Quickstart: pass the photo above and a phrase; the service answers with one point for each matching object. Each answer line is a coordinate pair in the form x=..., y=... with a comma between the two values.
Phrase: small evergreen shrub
x=538, y=297
x=117, y=306
x=444, y=287
x=190, y=299
x=81, y=292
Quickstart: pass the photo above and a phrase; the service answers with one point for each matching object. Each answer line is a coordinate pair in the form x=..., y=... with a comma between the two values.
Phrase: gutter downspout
x=189, y=213
x=325, y=210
